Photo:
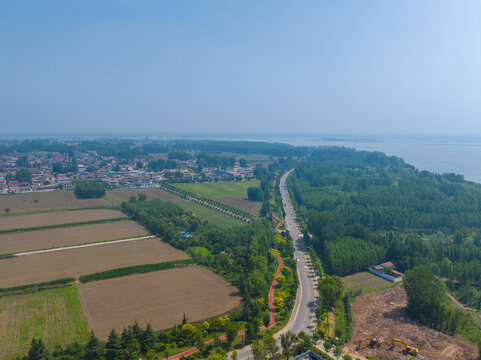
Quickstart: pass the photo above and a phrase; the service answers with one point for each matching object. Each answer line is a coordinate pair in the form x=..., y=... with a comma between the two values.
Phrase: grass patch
x=202, y=251
x=130, y=270
x=211, y=216
x=53, y=315
x=220, y=189
x=364, y=282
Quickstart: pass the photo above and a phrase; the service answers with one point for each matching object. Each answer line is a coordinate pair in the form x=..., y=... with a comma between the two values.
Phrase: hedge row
x=49, y=227
x=226, y=209
x=138, y=269
x=36, y=287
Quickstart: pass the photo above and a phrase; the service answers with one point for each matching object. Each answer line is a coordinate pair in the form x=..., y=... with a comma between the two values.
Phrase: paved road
x=305, y=317
x=304, y=314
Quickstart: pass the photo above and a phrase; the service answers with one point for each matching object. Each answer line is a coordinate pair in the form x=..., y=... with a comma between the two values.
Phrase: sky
x=273, y=67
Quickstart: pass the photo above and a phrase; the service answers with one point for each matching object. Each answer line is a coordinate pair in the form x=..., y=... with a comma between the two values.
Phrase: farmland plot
x=229, y=193
x=160, y=297
x=57, y=218
x=152, y=193
x=46, y=201
x=45, y=239
x=53, y=315
x=36, y=268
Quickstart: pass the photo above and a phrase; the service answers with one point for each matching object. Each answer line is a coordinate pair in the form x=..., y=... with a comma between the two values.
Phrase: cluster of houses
x=58, y=171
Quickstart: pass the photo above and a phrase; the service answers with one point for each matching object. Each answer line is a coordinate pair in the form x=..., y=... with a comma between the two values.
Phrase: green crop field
x=220, y=189
x=212, y=216
x=53, y=315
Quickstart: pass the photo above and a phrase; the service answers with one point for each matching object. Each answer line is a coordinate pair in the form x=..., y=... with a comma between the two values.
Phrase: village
x=60, y=171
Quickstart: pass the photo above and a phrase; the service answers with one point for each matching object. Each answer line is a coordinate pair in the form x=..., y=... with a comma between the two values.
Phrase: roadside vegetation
x=365, y=208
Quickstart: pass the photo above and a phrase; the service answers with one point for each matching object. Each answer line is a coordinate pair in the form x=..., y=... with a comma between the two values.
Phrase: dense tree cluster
x=89, y=189
x=161, y=164
x=428, y=302
x=179, y=155
x=241, y=254
x=365, y=207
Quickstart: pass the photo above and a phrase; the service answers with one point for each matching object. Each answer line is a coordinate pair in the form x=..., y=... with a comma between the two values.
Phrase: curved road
x=304, y=314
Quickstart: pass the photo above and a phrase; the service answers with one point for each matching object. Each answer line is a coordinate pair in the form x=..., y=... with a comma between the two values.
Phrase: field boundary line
x=84, y=245
x=65, y=225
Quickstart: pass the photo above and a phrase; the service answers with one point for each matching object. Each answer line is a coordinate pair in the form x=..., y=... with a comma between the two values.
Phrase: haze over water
x=460, y=156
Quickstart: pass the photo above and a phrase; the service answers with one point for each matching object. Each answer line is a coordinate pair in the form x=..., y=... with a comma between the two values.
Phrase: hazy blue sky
x=327, y=67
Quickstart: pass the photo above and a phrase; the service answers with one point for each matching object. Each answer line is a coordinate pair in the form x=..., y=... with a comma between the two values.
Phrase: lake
x=460, y=156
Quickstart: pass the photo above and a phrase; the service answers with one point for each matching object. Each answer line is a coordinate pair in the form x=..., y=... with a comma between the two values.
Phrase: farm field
x=53, y=315
x=121, y=195
x=364, y=281
x=229, y=193
x=46, y=201
x=57, y=218
x=220, y=189
x=382, y=314
x=195, y=291
x=45, y=239
x=252, y=207
x=36, y=268
x=212, y=216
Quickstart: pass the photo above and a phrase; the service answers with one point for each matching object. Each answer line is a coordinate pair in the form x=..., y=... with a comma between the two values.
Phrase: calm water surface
x=460, y=157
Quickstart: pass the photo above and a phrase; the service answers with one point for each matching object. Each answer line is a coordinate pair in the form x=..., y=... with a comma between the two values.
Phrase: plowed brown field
x=46, y=201
x=382, y=314
x=57, y=218
x=160, y=297
x=45, y=239
x=36, y=268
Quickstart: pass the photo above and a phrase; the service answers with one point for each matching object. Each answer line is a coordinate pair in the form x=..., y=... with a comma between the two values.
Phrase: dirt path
x=462, y=306
x=83, y=246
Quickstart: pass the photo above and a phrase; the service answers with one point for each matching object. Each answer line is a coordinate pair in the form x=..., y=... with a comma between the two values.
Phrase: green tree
x=57, y=168
x=287, y=340
x=130, y=345
x=254, y=193
x=331, y=289
x=231, y=332
x=337, y=351
x=148, y=338
x=24, y=175
x=259, y=351
x=93, y=349
x=22, y=161
x=38, y=351
x=113, y=347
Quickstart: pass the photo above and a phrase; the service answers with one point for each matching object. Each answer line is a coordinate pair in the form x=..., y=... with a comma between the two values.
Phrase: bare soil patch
x=36, y=268
x=252, y=207
x=160, y=297
x=45, y=239
x=151, y=193
x=364, y=281
x=57, y=218
x=46, y=201
x=382, y=314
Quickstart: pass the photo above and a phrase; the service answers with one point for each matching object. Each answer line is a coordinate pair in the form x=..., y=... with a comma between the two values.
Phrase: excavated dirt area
x=382, y=314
